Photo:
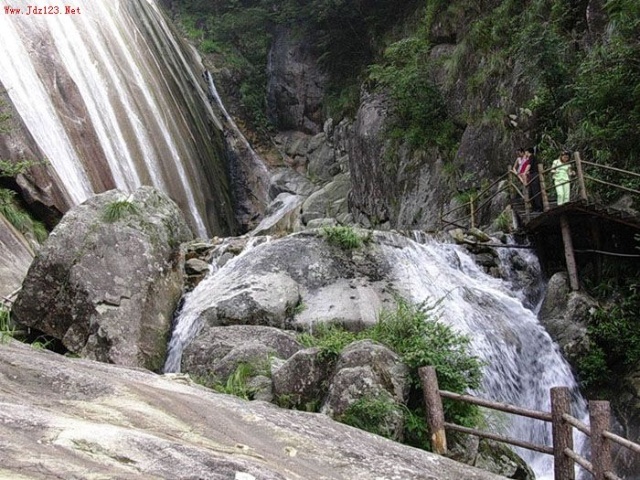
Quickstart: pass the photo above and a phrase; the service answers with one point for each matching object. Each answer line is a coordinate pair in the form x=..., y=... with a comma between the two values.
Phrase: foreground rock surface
x=77, y=419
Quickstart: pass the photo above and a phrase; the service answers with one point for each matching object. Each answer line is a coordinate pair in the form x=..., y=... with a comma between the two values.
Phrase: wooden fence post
x=562, y=434
x=473, y=212
x=433, y=405
x=543, y=188
x=581, y=185
x=569, y=255
x=600, y=420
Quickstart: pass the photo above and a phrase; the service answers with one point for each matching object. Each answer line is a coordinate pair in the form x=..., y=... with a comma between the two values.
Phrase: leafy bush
x=237, y=382
x=371, y=414
x=118, y=210
x=415, y=334
x=7, y=331
x=613, y=327
x=329, y=337
x=19, y=218
x=420, y=110
x=344, y=237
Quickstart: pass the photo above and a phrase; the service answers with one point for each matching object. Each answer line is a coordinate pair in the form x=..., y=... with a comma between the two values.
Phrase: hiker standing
x=561, y=177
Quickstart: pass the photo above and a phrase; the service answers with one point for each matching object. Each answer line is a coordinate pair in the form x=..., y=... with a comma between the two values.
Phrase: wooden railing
x=562, y=425
x=587, y=175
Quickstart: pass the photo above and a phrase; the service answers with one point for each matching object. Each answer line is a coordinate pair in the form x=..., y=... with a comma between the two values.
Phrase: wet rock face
x=107, y=289
x=564, y=315
x=296, y=84
x=16, y=254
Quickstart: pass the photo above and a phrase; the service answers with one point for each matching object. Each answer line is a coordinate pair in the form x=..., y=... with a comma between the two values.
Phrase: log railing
x=562, y=426
x=586, y=176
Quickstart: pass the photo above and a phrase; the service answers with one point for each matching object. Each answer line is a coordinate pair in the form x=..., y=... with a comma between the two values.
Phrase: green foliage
x=330, y=338
x=19, y=218
x=504, y=221
x=613, y=328
x=42, y=343
x=118, y=210
x=344, y=237
x=372, y=414
x=7, y=330
x=413, y=332
x=12, y=169
x=239, y=35
x=237, y=383
x=421, y=117
x=5, y=116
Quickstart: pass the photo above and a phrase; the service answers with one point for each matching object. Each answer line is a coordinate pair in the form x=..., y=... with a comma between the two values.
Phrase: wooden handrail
x=482, y=199
x=562, y=423
x=503, y=407
x=500, y=438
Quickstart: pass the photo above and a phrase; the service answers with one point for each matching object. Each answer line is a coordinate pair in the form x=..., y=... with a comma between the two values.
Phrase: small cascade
x=522, y=361
x=186, y=325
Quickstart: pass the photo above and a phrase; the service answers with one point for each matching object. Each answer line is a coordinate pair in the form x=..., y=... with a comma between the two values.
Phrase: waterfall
x=522, y=362
x=188, y=321
x=112, y=100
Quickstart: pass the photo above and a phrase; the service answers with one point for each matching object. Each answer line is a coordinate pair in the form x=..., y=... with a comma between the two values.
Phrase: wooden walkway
x=583, y=226
x=579, y=211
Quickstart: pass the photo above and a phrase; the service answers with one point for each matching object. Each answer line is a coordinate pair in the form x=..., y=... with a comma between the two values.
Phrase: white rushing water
x=110, y=98
x=522, y=361
x=188, y=322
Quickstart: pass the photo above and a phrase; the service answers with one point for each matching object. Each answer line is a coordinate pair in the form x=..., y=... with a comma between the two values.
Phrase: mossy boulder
x=109, y=277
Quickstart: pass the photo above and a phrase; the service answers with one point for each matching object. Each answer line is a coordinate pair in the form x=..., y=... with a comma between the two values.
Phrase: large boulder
x=565, y=314
x=300, y=381
x=107, y=287
x=74, y=418
x=220, y=350
x=367, y=370
x=294, y=282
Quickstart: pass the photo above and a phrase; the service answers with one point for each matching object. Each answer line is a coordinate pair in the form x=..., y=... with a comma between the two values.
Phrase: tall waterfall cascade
x=522, y=361
x=113, y=100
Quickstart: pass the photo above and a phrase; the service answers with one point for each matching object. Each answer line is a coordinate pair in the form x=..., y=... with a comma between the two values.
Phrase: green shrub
x=371, y=414
x=614, y=336
x=344, y=237
x=7, y=330
x=415, y=334
x=330, y=338
x=19, y=218
x=237, y=383
x=118, y=210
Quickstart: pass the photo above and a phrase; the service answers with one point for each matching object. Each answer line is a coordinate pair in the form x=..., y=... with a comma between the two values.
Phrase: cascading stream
x=188, y=323
x=522, y=362
x=112, y=100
